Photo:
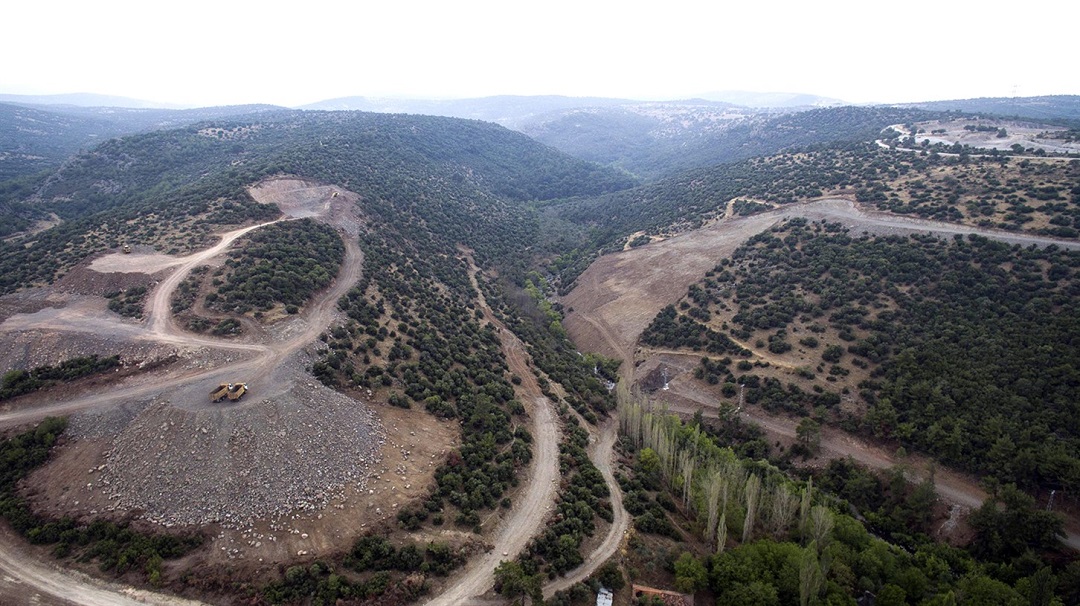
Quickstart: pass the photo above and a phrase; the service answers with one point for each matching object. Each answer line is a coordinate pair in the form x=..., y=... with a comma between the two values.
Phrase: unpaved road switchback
x=153, y=422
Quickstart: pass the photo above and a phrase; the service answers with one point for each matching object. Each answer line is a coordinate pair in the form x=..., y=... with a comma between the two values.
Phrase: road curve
x=601, y=452
x=533, y=507
x=55, y=585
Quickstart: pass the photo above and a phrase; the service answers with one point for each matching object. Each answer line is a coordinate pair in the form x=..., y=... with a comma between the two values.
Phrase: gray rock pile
x=235, y=464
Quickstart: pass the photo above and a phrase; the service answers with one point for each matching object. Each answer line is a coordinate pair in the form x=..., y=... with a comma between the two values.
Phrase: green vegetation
x=373, y=569
x=117, y=548
x=188, y=290
x=424, y=339
x=430, y=176
x=538, y=322
x=582, y=497
x=770, y=540
x=281, y=264
x=991, y=191
x=128, y=302
x=18, y=382
x=628, y=140
x=671, y=329
x=968, y=342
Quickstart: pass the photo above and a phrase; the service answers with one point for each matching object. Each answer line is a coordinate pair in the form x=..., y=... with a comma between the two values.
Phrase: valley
x=479, y=369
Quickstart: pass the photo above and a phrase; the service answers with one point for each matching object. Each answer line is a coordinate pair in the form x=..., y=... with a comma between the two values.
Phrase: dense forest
x=36, y=139
x=762, y=537
x=172, y=189
x=969, y=344
x=281, y=264
x=665, y=139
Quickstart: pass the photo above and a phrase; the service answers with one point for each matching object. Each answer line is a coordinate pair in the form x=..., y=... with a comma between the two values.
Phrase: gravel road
x=290, y=445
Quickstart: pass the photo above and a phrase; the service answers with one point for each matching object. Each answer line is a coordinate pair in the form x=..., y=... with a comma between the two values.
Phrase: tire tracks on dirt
x=532, y=509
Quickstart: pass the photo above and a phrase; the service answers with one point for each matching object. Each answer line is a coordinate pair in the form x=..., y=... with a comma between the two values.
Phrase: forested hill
x=35, y=138
x=659, y=140
x=1050, y=107
x=457, y=180
x=1023, y=193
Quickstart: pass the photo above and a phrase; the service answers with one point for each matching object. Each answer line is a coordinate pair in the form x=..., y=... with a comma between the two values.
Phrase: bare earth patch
x=291, y=472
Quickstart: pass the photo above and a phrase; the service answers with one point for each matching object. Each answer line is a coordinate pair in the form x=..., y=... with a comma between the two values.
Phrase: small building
x=668, y=598
x=604, y=597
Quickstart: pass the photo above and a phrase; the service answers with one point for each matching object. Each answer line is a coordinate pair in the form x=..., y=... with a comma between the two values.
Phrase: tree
x=808, y=433
x=1003, y=533
x=690, y=574
x=512, y=582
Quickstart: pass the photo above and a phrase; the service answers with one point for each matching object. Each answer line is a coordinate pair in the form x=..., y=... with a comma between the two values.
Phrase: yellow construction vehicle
x=220, y=392
x=237, y=391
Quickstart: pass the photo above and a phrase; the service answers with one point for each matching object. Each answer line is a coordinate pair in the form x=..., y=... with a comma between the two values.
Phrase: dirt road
x=620, y=294
x=25, y=581
x=532, y=509
x=601, y=451
x=53, y=585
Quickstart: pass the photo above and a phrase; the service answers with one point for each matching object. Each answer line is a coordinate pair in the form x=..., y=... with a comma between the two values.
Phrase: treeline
x=538, y=322
x=373, y=569
x=18, y=382
x=771, y=540
x=629, y=140
x=674, y=330
x=117, y=548
x=452, y=179
x=413, y=327
x=128, y=302
x=583, y=496
x=1027, y=195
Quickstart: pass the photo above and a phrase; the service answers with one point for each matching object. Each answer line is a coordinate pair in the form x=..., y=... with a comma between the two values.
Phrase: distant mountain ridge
x=772, y=99
x=88, y=100
x=38, y=137
x=1048, y=107
x=507, y=110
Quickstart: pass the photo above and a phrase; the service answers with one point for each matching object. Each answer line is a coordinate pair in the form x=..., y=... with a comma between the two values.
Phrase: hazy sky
x=226, y=52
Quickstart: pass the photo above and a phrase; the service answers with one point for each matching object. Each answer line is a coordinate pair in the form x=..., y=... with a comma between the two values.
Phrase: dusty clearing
x=619, y=294
x=292, y=471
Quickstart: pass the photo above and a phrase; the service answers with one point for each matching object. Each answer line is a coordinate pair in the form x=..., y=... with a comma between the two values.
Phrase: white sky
x=199, y=52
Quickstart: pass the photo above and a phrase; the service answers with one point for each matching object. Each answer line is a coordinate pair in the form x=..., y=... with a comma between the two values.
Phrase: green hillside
x=671, y=138
x=455, y=180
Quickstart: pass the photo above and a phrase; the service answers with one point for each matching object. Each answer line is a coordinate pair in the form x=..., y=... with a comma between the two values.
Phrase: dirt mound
x=88, y=278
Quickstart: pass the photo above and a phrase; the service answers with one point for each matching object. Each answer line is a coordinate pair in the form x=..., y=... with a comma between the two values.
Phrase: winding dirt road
x=601, y=451
x=43, y=583
x=532, y=509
